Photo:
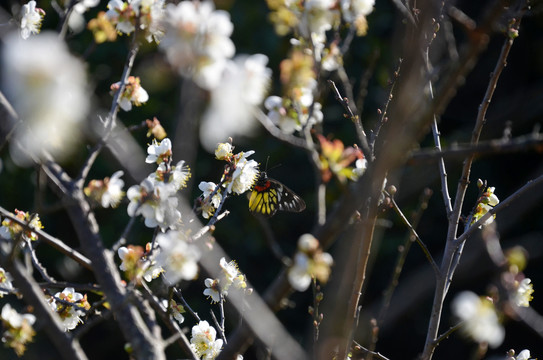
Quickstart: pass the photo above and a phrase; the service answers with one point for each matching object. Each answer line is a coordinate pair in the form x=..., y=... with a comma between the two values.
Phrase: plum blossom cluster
x=18, y=329
x=197, y=41
x=238, y=177
x=481, y=321
x=204, y=341
x=485, y=203
x=297, y=109
x=523, y=293
x=11, y=230
x=126, y=15
x=70, y=306
x=155, y=197
x=42, y=69
x=310, y=262
x=133, y=93
x=197, y=44
x=217, y=289
x=136, y=265
x=31, y=19
x=107, y=192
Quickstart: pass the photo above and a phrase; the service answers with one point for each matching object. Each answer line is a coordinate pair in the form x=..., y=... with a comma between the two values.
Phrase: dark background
x=517, y=102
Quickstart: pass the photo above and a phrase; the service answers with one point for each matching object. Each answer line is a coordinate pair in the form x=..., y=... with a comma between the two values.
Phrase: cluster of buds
x=309, y=262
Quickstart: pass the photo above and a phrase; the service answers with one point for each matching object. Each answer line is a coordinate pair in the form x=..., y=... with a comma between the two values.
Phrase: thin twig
x=421, y=243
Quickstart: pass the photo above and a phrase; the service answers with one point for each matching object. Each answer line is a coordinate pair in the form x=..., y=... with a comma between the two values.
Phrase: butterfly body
x=269, y=195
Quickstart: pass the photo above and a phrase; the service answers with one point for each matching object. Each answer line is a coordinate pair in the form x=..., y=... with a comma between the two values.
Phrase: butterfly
x=269, y=195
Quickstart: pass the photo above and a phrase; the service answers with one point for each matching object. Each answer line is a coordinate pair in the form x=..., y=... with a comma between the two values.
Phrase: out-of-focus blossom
x=242, y=88
x=481, y=321
x=70, y=315
x=197, y=41
x=155, y=129
x=6, y=286
x=336, y=160
x=176, y=311
x=76, y=21
x=204, y=342
x=102, y=28
x=309, y=262
x=135, y=265
x=48, y=88
x=31, y=19
x=133, y=93
x=178, y=258
x=18, y=329
x=108, y=192
x=355, y=12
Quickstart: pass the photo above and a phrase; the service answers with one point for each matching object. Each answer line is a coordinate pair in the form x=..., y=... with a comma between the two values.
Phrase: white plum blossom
x=176, y=311
x=524, y=355
x=48, y=88
x=178, y=258
x=120, y=14
x=242, y=88
x=133, y=93
x=114, y=190
x=223, y=151
x=352, y=9
x=15, y=319
x=6, y=286
x=213, y=290
x=156, y=202
x=175, y=177
x=204, y=342
x=523, y=295
x=245, y=174
x=76, y=21
x=197, y=41
x=209, y=206
x=158, y=151
x=69, y=315
x=481, y=321
x=318, y=17
x=31, y=19
x=232, y=275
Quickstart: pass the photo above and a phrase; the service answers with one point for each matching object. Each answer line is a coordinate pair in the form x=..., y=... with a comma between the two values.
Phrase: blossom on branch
x=11, y=230
x=6, y=287
x=70, y=307
x=133, y=93
x=204, y=342
x=484, y=204
x=481, y=322
x=108, y=192
x=523, y=294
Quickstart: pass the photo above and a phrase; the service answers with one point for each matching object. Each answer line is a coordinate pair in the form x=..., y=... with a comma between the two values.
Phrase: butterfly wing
x=270, y=195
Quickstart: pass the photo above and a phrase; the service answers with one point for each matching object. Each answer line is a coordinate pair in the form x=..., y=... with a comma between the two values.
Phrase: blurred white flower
x=76, y=21
x=481, y=322
x=524, y=355
x=309, y=262
x=114, y=190
x=14, y=319
x=48, y=88
x=197, y=41
x=352, y=9
x=31, y=19
x=178, y=258
x=241, y=90
x=5, y=283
